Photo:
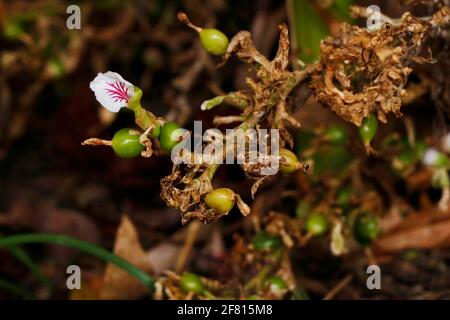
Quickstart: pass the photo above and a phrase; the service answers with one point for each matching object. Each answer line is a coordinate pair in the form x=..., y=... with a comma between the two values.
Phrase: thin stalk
x=23, y=257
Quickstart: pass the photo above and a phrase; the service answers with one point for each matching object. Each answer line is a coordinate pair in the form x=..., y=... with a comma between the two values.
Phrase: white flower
x=112, y=91
x=430, y=156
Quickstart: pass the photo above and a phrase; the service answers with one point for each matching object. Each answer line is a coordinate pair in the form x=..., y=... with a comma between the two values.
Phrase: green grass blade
x=308, y=29
x=23, y=257
x=83, y=246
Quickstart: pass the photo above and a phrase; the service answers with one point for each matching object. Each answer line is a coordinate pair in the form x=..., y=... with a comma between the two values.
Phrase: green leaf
x=211, y=103
x=308, y=29
x=341, y=9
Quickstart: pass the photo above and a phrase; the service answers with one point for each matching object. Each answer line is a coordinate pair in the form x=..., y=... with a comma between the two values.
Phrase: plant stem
x=23, y=257
x=143, y=118
x=82, y=246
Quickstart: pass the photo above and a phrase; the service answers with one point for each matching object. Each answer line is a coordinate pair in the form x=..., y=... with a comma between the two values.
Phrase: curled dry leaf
x=422, y=230
x=117, y=284
x=96, y=142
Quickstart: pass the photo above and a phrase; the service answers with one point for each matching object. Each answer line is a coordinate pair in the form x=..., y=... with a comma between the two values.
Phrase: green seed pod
x=420, y=148
x=214, y=41
x=368, y=129
x=125, y=144
x=277, y=285
x=263, y=241
x=290, y=164
x=343, y=196
x=56, y=68
x=221, y=199
x=169, y=135
x=317, y=224
x=365, y=228
x=12, y=30
x=336, y=134
x=191, y=282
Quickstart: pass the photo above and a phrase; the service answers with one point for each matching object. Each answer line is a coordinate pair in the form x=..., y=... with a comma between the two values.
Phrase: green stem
x=143, y=118
x=23, y=257
x=82, y=246
x=258, y=280
x=211, y=171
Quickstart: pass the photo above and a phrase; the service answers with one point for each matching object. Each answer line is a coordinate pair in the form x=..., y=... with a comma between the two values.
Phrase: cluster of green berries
x=126, y=144
x=364, y=226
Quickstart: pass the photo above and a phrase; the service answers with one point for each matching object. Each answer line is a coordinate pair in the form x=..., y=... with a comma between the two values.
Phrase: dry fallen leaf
x=422, y=230
x=117, y=284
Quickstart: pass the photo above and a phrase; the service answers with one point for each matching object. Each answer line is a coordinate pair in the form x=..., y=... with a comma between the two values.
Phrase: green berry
x=368, y=129
x=56, y=68
x=317, y=224
x=336, y=134
x=302, y=209
x=125, y=143
x=214, y=41
x=420, y=149
x=331, y=159
x=169, y=135
x=264, y=241
x=365, y=228
x=12, y=30
x=343, y=196
x=221, y=199
x=289, y=164
x=276, y=284
x=407, y=157
x=191, y=282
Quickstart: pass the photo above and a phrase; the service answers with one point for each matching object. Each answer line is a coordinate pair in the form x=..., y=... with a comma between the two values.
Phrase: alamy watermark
x=73, y=22
x=236, y=146
x=374, y=280
x=74, y=279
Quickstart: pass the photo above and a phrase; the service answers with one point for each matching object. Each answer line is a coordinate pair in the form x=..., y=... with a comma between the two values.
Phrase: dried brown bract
x=269, y=92
x=363, y=72
x=186, y=193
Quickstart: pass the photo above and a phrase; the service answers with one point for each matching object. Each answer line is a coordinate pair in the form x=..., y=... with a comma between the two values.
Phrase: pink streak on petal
x=118, y=92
